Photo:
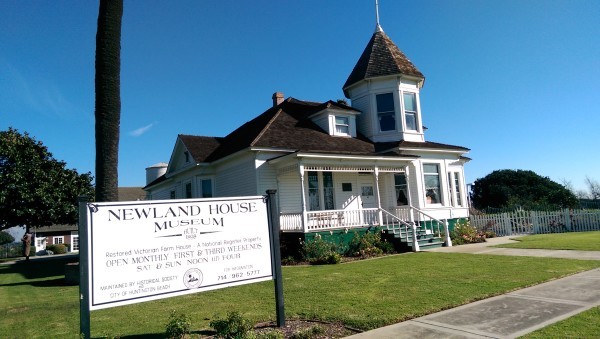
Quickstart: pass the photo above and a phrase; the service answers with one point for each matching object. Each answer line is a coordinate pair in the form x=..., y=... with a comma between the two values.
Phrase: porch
x=410, y=225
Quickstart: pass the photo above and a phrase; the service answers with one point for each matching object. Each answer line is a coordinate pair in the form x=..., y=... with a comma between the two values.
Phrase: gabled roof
x=287, y=126
x=381, y=57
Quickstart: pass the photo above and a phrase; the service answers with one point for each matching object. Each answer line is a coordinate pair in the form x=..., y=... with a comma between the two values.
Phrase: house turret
x=384, y=85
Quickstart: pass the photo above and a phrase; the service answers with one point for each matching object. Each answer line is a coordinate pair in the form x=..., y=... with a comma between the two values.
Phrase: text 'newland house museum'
x=335, y=167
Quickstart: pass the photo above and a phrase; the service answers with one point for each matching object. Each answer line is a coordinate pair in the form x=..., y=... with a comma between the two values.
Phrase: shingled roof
x=381, y=57
x=287, y=126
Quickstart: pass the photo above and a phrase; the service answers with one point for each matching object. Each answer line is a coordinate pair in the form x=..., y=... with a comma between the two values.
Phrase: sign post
x=276, y=258
x=84, y=304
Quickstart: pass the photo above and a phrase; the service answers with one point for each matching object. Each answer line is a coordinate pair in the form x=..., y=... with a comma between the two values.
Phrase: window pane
x=313, y=191
x=207, y=188
x=385, y=102
x=411, y=121
x=342, y=129
x=188, y=190
x=387, y=122
x=430, y=168
x=457, y=188
x=400, y=187
x=410, y=103
x=313, y=180
x=341, y=120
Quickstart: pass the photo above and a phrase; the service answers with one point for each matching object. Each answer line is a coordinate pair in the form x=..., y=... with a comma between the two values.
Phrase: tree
x=593, y=188
x=108, y=98
x=507, y=188
x=36, y=189
x=6, y=238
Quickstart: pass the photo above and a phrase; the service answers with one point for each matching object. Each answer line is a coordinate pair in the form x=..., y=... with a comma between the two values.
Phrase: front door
x=367, y=198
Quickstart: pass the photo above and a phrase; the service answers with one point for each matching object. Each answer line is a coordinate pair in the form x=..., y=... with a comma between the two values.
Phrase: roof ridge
x=264, y=130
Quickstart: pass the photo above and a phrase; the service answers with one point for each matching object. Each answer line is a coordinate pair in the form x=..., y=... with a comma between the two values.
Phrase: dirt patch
x=307, y=329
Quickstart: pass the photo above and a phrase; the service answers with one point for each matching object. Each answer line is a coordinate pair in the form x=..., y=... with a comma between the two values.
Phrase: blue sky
x=516, y=81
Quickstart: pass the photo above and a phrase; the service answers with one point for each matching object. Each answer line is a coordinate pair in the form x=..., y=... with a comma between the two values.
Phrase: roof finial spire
x=377, y=27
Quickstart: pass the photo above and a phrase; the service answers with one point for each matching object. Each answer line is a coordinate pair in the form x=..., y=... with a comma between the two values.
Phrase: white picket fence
x=538, y=222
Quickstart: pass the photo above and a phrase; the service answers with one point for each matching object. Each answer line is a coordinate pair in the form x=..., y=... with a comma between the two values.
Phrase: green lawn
x=581, y=241
x=365, y=294
x=583, y=325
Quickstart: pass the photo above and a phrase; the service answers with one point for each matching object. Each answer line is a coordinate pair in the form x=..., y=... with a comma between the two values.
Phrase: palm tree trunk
x=108, y=98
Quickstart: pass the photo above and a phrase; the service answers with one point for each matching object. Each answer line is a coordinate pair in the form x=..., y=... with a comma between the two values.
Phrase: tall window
x=172, y=194
x=431, y=174
x=457, y=189
x=75, y=242
x=207, y=191
x=313, y=191
x=386, y=113
x=328, y=190
x=410, y=111
x=401, y=193
x=342, y=125
x=188, y=190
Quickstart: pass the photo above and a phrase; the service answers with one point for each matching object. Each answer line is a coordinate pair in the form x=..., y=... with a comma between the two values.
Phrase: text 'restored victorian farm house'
x=335, y=167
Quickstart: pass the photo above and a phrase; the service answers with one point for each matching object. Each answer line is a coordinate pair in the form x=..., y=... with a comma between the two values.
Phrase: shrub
x=308, y=333
x=234, y=326
x=319, y=251
x=178, y=326
x=57, y=249
x=368, y=245
x=464, y=233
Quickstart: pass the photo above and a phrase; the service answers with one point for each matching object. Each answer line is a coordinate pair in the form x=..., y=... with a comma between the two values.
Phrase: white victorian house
x=335, y=167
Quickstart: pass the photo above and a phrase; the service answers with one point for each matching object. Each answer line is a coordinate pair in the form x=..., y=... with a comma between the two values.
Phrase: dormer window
x=410, y=111
x=386, y=114
x=342, y=125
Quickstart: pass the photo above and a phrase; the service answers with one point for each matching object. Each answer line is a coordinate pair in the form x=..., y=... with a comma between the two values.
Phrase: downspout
x=303, y=194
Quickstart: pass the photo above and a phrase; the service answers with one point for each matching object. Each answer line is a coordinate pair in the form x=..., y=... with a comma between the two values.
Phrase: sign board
x=147, y=250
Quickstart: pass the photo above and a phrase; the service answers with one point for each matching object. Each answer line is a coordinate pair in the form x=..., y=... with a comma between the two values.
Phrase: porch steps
x=404, y=239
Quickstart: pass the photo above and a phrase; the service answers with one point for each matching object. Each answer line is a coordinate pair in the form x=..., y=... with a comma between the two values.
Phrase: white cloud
x=138, y=132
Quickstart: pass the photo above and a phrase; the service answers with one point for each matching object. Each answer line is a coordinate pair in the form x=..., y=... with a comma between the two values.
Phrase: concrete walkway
x=509, y=315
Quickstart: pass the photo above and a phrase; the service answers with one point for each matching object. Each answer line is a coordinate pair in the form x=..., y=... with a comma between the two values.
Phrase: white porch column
x=447, y=230
x=411, y=217
x=303, y=194
x=379, y=214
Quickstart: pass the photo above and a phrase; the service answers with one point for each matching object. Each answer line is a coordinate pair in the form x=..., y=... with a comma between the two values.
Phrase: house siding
x=236, y=178
x=290, y=196
x=363, y=120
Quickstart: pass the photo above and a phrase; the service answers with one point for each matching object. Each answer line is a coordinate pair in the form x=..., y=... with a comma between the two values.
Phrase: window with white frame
x=410, y=111
x=75, y=241
x=313, y=191
x=386, y=114
x=342, y=125
x=401, y=189
x=431, y=176
x=58, y=240
x=457, y=189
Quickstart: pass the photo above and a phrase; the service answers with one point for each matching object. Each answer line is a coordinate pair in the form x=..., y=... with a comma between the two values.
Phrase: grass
x=583, y=325
x=580, y=241
x=364, y=294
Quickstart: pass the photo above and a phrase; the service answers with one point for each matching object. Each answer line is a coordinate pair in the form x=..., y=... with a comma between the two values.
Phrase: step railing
x=430, y=224
x=392, y=222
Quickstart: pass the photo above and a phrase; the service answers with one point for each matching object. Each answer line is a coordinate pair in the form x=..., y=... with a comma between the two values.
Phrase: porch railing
x=329, y=219
x=424, y=220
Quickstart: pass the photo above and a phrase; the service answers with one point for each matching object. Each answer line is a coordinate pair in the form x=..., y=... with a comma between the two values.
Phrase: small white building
x=335, y=167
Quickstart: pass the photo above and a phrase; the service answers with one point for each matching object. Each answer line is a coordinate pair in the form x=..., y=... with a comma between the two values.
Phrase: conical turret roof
x=381, y=57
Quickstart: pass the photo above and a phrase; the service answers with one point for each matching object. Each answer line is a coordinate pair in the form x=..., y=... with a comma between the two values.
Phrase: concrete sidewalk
x=509, y=315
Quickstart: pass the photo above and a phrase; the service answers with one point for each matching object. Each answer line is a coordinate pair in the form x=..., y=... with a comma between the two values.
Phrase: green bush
x=57, y=249
x=178, y=326
x=368, y=245
x=319, y=251
x=308, y=333
x=464, y=233
x=234, y=326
